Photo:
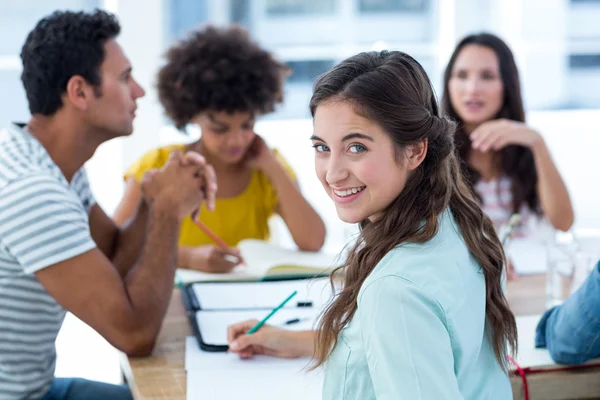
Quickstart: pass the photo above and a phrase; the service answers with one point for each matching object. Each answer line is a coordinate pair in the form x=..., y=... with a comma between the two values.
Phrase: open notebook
x=265, y=260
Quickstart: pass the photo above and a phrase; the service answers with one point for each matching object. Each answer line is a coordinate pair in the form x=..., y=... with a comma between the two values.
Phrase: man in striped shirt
x=58, y=250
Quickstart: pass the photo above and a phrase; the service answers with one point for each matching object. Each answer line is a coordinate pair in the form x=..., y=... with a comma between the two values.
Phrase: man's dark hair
x=62, y=45
x=219, y=69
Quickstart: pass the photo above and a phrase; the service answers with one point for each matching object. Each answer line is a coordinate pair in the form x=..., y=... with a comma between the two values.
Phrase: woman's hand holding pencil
x=233, y=255
x=210, y=258
x=269, y=340
x=253, y=337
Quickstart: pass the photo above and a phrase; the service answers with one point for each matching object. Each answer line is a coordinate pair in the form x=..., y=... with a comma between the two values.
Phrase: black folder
x=255, y=293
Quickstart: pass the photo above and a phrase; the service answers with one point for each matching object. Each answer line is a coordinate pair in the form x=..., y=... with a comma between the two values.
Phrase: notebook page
x=260, y=256
x=210, y=376
x=261, y=295
x=238, y=274
x=213, y=324
x=528, y=256
x=199, y=360
x=528, y=355
x=248, y=383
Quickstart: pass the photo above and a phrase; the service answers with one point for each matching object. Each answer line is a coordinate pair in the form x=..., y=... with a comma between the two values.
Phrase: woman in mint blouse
x=421, y=314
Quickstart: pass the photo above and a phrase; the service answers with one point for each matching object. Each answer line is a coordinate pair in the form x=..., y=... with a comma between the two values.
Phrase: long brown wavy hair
x=516, y=162
x=392, y=89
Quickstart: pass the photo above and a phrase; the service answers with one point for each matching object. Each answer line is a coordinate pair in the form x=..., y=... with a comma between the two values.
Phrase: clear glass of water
x=559, y=275
x=582, y=267
x=571, y=258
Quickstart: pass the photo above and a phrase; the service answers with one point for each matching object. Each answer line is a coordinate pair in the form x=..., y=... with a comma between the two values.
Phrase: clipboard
x=191, y=307
x=247, y=299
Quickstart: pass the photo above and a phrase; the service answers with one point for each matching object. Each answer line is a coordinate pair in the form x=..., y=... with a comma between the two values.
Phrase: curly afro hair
x=219, y=69
x=61, y=45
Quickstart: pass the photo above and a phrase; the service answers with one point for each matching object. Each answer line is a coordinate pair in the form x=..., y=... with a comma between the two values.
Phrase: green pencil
x=261, y=323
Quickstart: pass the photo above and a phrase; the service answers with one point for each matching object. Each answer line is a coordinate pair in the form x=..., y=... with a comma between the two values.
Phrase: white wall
x=574, y=139
x=143, y=41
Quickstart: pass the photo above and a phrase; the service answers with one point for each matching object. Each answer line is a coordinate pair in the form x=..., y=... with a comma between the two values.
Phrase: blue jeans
x=77, y=388
x=571, y=331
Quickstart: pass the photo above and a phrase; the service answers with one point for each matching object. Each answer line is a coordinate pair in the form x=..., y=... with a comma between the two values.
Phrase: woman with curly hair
x=222, y=81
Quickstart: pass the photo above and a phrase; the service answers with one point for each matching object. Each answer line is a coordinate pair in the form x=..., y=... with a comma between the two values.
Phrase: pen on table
x=211, y=234
x=295, y=321
x=265, y=319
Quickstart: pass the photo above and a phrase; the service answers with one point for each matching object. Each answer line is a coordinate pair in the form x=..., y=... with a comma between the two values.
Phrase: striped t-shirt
x=43, y=221
x=497, y=204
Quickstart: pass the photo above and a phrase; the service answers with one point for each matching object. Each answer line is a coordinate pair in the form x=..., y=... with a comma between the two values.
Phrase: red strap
x=521, y=372
x=524, y=371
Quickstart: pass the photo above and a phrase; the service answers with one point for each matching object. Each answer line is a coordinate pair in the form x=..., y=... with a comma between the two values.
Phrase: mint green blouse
x=420, y=330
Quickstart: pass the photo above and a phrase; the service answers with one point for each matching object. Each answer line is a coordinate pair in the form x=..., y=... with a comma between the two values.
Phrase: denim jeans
x=571, y=331
x=77, y=388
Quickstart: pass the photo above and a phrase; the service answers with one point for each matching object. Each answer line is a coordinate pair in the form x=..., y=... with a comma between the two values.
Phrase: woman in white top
x=507, y=163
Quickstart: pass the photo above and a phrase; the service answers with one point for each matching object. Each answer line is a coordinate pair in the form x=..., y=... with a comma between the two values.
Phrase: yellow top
x=242, y=217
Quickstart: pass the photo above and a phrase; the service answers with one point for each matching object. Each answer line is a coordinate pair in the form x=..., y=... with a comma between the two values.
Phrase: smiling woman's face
x=356, y=162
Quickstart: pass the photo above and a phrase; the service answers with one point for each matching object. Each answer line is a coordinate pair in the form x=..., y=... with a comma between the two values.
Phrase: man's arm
x=130, y=201
x=121, y=245
x=570, y=331
x=127, y=313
